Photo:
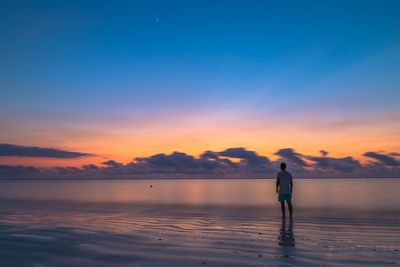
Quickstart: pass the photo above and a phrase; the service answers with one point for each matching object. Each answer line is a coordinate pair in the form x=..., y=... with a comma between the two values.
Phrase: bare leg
x=283, y=209
x=290, y=209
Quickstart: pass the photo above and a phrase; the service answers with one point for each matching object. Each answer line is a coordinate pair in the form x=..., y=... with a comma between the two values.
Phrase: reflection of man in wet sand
x=284, y=186
x=286, y=236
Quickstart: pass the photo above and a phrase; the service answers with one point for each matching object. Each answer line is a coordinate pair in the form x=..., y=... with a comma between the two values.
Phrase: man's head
x=283, y=166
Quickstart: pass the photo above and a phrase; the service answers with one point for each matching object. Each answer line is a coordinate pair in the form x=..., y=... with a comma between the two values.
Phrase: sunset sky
x=126, y=79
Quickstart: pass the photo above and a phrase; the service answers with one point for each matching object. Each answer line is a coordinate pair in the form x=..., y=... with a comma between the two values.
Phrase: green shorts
x=283, y=197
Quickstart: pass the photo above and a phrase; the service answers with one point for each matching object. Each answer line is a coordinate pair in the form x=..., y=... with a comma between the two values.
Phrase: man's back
x=284, y=178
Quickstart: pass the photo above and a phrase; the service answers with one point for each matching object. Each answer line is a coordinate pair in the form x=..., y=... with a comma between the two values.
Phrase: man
x=284, y=186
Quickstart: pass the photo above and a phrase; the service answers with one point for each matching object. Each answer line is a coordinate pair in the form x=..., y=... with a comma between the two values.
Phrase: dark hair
x=283, y=166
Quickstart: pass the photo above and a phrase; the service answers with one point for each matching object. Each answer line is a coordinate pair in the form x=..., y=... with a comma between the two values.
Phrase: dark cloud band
x=9, y=150
x=383, y=158
x=232, y=162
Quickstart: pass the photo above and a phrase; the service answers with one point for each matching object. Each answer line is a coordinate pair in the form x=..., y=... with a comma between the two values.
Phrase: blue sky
x=70, y=63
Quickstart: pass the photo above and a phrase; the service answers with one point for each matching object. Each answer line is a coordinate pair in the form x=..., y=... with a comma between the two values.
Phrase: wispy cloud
x=383, y=158
x=291, y=155
x=10, y=150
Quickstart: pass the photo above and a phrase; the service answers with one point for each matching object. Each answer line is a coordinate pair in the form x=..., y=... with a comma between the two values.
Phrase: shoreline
x=191, y=178
x=154, y=235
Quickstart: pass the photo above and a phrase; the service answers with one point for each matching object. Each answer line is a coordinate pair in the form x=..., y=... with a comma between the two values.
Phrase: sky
x=121, y=80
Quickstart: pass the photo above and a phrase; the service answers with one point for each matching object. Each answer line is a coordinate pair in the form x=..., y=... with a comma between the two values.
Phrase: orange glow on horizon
x=195, y=134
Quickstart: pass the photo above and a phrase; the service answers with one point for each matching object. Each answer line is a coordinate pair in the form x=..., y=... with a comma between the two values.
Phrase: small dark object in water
x=151, y=186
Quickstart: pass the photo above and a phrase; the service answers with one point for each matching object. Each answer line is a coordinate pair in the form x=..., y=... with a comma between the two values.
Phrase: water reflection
x=286, y=234
x=337, y=193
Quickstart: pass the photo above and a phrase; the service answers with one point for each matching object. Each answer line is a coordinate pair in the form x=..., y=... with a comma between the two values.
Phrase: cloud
x=330, y=165
x=7, y=150
x=181, y=163
x=210, y=155
x=383, y=158
x=344, y=165
x=174, y=160
x=90, y=167
x=69, y=171
x=212, y=164
x=112, y=163
x=291, y=155
x=324, y=153
x=8, y=171
x=248, y=156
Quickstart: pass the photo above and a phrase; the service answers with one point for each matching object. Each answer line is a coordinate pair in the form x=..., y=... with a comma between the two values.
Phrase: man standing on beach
x=284, y=186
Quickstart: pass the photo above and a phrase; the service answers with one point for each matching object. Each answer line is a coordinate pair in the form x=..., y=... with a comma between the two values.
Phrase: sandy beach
x=46, y=234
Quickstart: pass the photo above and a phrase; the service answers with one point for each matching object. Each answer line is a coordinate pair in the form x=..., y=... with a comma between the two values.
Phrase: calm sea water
x=370, y=194
x=337, y=222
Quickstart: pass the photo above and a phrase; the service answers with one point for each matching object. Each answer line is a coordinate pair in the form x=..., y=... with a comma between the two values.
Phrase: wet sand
x=44, y=234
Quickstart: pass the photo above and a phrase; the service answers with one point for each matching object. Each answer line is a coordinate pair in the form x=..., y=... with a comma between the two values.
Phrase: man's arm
x=291, y=185
x=277, y=185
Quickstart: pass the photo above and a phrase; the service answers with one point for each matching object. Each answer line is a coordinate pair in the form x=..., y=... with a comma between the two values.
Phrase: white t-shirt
x=284, y=178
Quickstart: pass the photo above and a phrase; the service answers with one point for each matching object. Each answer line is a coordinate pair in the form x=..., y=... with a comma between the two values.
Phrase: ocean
x=337, y=222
